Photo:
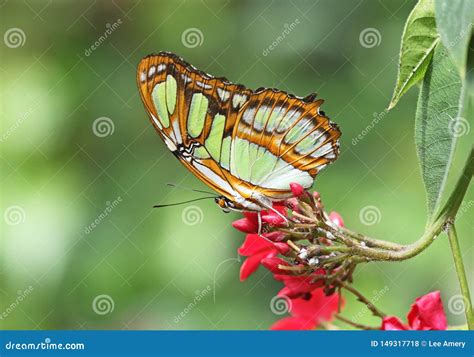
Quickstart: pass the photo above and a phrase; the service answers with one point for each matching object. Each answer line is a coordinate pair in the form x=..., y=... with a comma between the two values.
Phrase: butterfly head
x=226, y=204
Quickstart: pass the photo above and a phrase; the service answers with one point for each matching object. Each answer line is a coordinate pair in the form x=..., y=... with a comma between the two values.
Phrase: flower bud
x=336, y=218
x=273, y=219
x=296, y=189
x=282, y=248
x=245, y=225
x=276, y=236
x=292, y=204
x=272, y=264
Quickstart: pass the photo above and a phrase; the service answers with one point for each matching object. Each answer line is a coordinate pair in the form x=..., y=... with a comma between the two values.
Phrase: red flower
x=307, y=313
x=249, y=224
x=309, y=304
x=257, y=249
x=426, y=313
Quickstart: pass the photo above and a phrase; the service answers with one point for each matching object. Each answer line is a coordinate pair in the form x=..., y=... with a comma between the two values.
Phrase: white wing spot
x=248, y=115
x=287, y=120
x=169, y=143
x=177, y=132
x=262, y=115
x=321, y=167
x=186, y=79
x=156, y=121
x=238, y=100
x=151, y=71
x=223, y=94
x=203, y=85
x=143, y=76
x=323, y=150
x=161, y=68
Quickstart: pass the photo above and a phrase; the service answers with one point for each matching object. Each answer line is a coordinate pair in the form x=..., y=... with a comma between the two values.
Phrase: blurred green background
x=81, y=165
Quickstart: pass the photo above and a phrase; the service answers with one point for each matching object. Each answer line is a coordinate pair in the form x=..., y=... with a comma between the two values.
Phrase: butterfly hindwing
x=284, y=139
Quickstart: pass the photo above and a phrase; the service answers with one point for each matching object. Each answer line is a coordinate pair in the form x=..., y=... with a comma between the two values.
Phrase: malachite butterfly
x=246, y=145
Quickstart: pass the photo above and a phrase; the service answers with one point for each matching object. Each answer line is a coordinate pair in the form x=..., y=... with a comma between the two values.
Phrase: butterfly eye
x=221, y=202
x=224, y=204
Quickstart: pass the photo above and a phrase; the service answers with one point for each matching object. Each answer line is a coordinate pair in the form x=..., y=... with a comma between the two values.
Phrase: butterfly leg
x=266, y=203
x=259, y=217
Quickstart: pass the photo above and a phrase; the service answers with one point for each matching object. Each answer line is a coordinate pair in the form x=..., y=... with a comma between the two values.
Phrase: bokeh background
x=81, y=166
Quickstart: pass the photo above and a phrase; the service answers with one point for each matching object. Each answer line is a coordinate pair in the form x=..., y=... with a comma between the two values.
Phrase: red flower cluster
x=309, y=300
x=308, y=303
x=426, y=313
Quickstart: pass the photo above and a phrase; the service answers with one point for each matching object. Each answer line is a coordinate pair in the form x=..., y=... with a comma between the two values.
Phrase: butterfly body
x=246, y=145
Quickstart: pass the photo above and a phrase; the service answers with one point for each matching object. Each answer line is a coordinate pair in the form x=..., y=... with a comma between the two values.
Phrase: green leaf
x=437, y=119
x=469, y=81
x=418, y=42
x=454, y=20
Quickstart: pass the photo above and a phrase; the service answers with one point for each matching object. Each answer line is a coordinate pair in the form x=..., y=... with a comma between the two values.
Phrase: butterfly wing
x=280, y=139
x=241, y=143
x=193, y=114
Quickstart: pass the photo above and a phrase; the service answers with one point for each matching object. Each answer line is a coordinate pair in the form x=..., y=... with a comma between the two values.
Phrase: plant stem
x=364, y=300
x=407, y=251
x=378, y=250
x=454, y=201
x=453, y=240
x=372, y=242
x=355, y=324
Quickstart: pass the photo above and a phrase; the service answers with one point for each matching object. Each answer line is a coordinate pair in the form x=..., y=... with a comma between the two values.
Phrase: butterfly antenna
x=189, y=189
x=184, y=202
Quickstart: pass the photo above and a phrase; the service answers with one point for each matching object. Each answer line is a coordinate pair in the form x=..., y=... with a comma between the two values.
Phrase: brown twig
x=355, y=324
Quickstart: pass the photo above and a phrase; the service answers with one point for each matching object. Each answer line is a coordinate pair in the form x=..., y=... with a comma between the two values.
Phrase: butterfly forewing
x=239, y=142
x=194, y=121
